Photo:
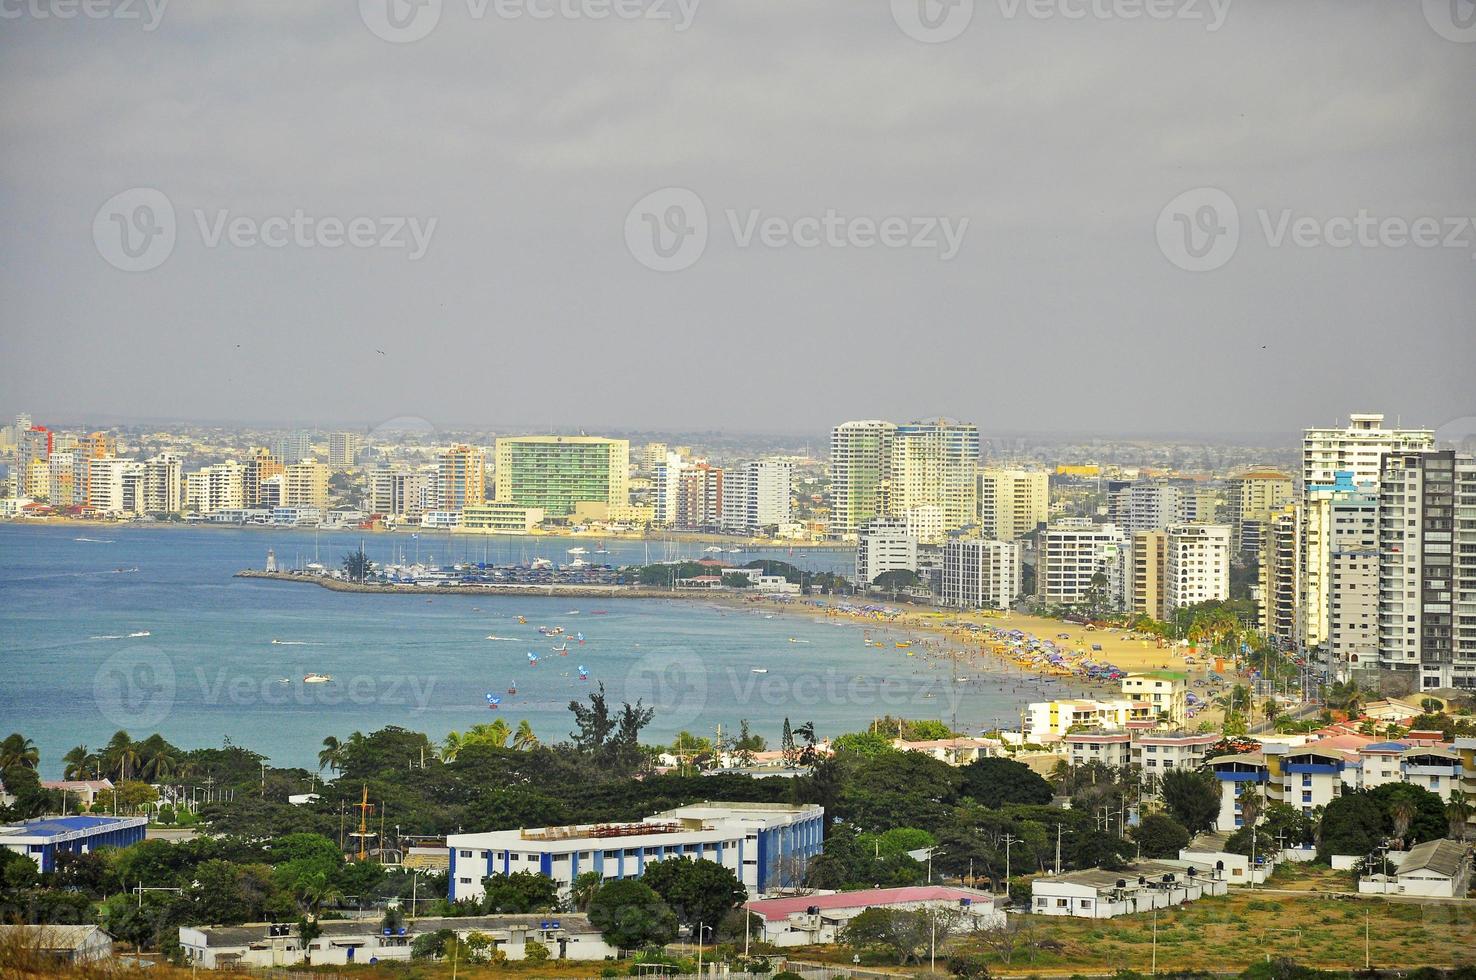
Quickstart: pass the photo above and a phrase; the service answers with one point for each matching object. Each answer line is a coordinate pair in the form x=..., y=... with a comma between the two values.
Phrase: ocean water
x=146, y=629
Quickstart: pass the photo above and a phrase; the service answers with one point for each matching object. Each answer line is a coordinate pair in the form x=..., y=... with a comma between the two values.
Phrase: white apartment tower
x=884, y=545
x=1012, y=502
x=933, y=465
x=1357, y=449
x=980, y=574
x=1196, y=566
x=1072, y=554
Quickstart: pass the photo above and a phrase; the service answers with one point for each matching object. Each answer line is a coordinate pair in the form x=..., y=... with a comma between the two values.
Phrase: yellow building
x=1078, y=469
x=555, y=473
x=497, y=517
x=1012, y=502
x=462, y=477
x=305, y=484
x=589, y=511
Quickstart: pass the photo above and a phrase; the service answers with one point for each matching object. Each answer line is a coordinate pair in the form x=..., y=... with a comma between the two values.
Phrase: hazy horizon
x=1109, y=223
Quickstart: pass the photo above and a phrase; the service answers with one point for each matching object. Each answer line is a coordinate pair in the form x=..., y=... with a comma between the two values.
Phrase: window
x=466, y=854
x=1062, y=903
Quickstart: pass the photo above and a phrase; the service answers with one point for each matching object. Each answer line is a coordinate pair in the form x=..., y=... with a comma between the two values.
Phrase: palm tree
x=1271, y=709
x=1345, y=696
x=582, y=889
x=523, y=738
x=451, y=746
x=1402, y=813
x=1250, y=804
x=17, y=750
x=157, y=758
x=1458, y=812
x=120, y=756
x=79, y=763
x=331, y=754
x=496, y=733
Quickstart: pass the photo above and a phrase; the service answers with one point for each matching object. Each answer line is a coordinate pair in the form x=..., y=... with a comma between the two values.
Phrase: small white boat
x=579, y=563
x=140, y=633
x=317, y=678
x=578, y=551
x=760, y=670
x=542, y=563
x=713, y=550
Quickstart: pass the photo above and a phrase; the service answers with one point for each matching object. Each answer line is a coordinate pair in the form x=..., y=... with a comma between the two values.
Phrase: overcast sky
x=524, y=150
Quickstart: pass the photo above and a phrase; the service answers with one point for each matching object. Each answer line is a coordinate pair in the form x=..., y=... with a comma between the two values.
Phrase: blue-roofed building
x=42, y=838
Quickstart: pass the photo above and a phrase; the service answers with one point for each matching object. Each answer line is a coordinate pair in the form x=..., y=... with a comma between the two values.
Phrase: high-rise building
x=1147, y=506
x=94, y=445
x=1281, y=550
x=402, y=493
x=293, y=447
x=1252, y=497
x=161, y=485
x=260, y=466
x=860, y=469
x=1012, y=503
x=757, y=495
x=33, y=446
x=553, y=473
x=933, y=466
x=1077, y=560
x=1144, y=576
x=1196, y=565
x=462, y=478
x=980, y=574
x=63, y=471
x=652, y=456
x=111, y=487
x=220, y=486
x=692, y=496
x=1427, y=568
x=343, y=450
x=1336, y=518
x=1357, y=449
x=884, y=545
x=305, y=484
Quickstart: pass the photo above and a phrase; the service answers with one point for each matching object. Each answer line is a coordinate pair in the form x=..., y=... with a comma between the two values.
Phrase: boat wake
x=107, y=636
x=95, y=540
x=295, y=643
x=494, y=636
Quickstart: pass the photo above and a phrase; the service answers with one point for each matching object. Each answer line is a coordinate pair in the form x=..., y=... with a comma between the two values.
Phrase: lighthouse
x=271, y=561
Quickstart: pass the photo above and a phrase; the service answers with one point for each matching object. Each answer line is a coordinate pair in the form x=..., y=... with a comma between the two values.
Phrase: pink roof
x=783, y=908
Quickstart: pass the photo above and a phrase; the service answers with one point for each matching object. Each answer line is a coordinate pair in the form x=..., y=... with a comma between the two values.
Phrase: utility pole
x=1153, y=968
x=1058, y=850
x=1009, y=839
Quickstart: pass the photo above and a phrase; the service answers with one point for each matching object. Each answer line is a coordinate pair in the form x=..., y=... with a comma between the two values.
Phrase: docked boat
x=578, y=551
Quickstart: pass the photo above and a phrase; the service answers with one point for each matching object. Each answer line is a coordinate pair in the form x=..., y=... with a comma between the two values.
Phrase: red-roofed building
x=812, y=919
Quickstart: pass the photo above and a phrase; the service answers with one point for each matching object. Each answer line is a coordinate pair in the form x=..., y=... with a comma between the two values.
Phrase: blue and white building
x=766, y=845
x=41, y=839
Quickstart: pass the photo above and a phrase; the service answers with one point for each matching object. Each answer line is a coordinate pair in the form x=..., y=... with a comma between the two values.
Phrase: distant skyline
x=505, y=171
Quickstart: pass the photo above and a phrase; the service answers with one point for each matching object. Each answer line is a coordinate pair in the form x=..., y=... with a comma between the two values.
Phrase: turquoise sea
x=145, y=629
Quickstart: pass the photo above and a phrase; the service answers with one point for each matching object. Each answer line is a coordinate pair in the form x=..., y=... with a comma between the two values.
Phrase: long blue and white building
x=41, y=839
x=766, y=845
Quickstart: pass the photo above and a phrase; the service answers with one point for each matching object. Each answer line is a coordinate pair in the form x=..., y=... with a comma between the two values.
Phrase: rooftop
x=783, y=908
x=1440, y=856
x=62, y=826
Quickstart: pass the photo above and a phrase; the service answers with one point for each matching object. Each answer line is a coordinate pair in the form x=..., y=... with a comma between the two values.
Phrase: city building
x=113, y=486
x=346, y=942
x=1304, y=777
x=1357, y=448
x=757, y=496
x=461, y=478
x=34, y=445
x=260, y=466
x=1279, y=580
x=980, y=574
x=1155, y=753
x=1434, y=869
x=1196, y=565
x=860, y=469
x=553, y=473
x=61, y=468
x=767, y=845
x=1012, y=502
x=1166, y=692
x=1251, y=498
x=162, y=483
x=43, y=838
x=343, y=450
x=220, y=486
x=497, y=517
x=293, y=447
x=1077, y=561
x=933, y=465
x=1113, y=749
x=1146, y=506
x=69, y=944
x=1045, y=720
x=690, y=495
x=884, y=545
x=808, y=920
x=1337, y=574
x=1144, y=579
x=403, y=493
x=305, y=484
x=1427, y=568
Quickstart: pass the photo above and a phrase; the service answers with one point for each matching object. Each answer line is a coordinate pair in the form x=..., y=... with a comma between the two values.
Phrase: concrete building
x=43, y=838
x=1337, y=574
x=1072, y=556
x=263, y=945
x=305, y=484
x=1113, y=749
x=1251, y=498
x=1304, y=777
x=500, y=518
x=767, y=845
x=1148, y=885
x=1434, y=869
x=343, y=450
x=1147, y=506
x=1145, y=579
x=1012, y=502
x=807, y=920
x=553, y=473
x=114, y=486
x=293, y=447
x=64, y=944
x=1166, y=692
x=860, y=473
x=1196, y=565
x=757, y=496
x=220, y=486
x=260, y=466
x=980, y=574
x=162, y=483
x=884, y=545
x=933, y=466
x=461, y=478
x=61, y=468
x=1427, y=569
x=403, y=493
x=1357, y=448
x=1280, y=583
